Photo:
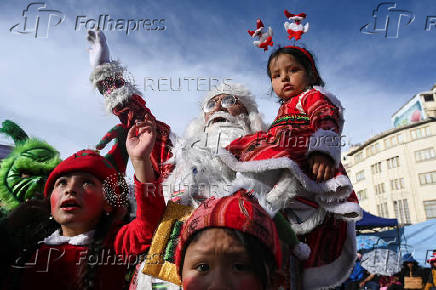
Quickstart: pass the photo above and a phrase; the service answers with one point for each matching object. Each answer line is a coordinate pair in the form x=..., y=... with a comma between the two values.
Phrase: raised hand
x=139, y=144
x=98, y=49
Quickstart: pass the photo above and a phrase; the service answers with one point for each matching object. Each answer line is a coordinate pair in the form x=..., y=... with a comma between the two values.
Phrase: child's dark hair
x=263, y=267
x=301, y=58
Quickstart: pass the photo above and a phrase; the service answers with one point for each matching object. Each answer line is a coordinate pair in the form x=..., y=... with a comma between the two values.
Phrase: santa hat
x=291, y=16
x=92, y=162
x=245, y=97
x=240, y=212
x=259, y=24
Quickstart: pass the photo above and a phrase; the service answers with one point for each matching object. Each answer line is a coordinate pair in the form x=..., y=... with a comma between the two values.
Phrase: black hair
x=313, y=76
x=263, y=267
x=24, y=227
x=89, y=270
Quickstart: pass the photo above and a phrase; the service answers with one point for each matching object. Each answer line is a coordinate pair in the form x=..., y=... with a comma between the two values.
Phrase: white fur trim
x=337, y=188
x=105, y=70
x=146, y=282
x=335, y=101
x=350, y=211
x=328, y=142
x=333, y=274
x=117, y=96
x=302, y=251
x=79, y=240
x=308, y=225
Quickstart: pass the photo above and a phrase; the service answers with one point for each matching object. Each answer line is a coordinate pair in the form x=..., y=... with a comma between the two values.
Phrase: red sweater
x=59, y=266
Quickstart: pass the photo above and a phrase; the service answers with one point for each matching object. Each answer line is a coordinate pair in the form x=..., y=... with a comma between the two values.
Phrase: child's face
x=217, y=259
x=77, y=202
x=288, y=77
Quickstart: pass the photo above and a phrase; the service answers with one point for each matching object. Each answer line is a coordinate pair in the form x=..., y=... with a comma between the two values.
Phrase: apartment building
x=394, y=173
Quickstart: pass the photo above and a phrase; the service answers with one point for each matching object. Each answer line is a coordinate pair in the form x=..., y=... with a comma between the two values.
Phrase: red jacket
x=59, y=265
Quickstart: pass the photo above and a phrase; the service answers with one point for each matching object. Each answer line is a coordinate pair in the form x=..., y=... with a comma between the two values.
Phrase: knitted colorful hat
x=92, y=162
x=238, y=211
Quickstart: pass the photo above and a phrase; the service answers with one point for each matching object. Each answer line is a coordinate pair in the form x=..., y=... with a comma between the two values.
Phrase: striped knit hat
x=240, y=212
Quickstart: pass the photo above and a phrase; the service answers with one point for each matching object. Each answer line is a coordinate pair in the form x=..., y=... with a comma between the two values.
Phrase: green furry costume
x=24, y=172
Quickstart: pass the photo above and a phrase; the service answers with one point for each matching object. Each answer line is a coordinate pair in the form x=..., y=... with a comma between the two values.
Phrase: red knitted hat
x=85, y=161
x=238, y=211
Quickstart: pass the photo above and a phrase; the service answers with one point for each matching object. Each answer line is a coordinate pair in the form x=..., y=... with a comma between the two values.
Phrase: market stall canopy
x=370, y=221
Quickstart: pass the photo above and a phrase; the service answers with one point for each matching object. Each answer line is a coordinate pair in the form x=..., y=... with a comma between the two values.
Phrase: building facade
x=394, y=173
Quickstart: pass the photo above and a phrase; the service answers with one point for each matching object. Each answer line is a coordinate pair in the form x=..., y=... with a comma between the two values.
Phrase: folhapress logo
x=38, y=20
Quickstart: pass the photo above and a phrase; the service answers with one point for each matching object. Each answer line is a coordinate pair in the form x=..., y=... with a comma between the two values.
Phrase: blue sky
x=45, y=85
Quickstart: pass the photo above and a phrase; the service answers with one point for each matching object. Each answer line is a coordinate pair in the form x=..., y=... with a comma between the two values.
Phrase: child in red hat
x=228, y=243
x=90, y=248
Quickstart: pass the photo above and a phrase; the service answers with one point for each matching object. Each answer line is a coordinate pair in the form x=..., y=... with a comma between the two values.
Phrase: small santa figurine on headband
x=295, y=29
x=265, y=38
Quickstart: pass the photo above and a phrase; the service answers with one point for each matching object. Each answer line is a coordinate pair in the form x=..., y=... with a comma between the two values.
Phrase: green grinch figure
x=24, y=171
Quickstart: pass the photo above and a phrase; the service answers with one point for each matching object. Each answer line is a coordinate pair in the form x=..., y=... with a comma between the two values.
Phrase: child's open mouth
x=69, y=205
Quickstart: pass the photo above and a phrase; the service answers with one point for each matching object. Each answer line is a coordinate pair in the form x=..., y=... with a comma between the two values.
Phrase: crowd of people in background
x=411, y=276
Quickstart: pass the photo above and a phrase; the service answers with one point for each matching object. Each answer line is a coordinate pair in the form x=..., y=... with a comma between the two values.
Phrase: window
x=382, y=210
x=393, y=162
x=388, y=143
x=393, y=141
x=400, y=138
x=427, y=178
x=358, y=157
x=361, y=194
x=420, y=133
x=360, y=176
x=373, y=149
x=430, y=209
x=379, y=188
x=397, y=184
x=428, y=98
x=426, y=154
x=385, y=209
x=406, y=211
x=401, y=210
x=376, y=168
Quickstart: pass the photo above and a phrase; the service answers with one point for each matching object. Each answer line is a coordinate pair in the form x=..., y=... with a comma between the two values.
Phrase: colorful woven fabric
x=238, y=211
x=160, y=259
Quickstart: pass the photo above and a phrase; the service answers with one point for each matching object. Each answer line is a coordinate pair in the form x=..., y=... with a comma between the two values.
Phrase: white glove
x=98, y=50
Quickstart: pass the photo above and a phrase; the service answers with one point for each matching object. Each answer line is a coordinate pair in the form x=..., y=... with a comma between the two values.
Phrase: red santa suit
x=58, y=262
x=323, y=214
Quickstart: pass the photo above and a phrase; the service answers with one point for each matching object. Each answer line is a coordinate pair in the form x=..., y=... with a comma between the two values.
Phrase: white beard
x=220, y=134
x=199, y=173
